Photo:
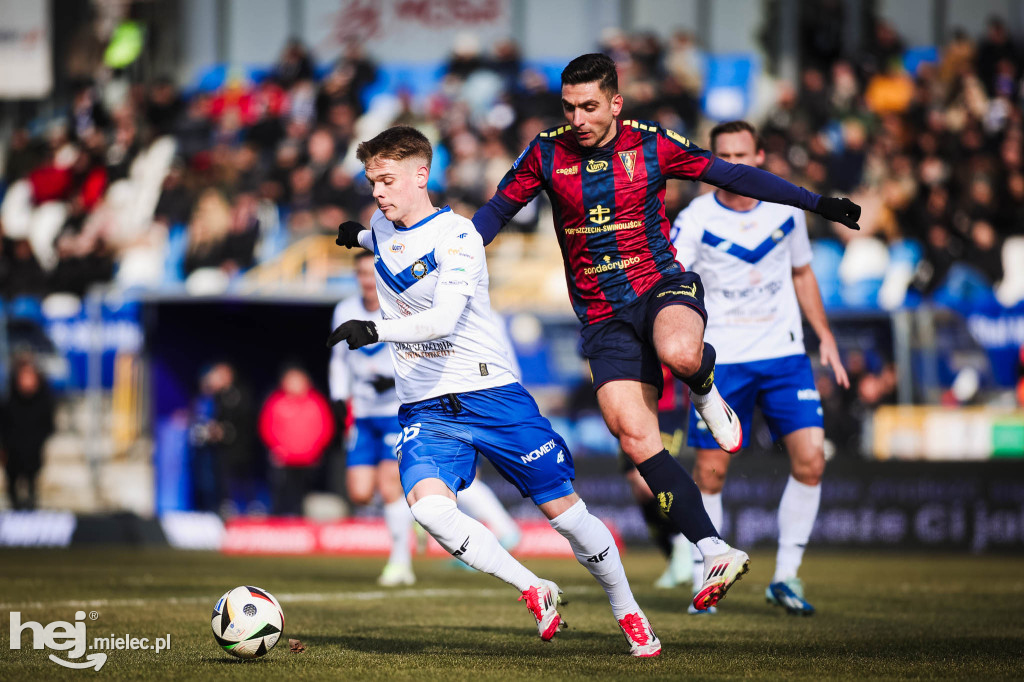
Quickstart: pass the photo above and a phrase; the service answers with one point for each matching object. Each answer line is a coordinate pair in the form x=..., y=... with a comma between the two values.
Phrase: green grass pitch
x=879, y=616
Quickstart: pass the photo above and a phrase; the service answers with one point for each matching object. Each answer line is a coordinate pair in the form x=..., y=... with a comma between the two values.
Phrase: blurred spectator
x=208, y=232
x=20, y=272
x=224, y=438
x=26, y=421
x=163, y=107
x=995, y=51
x=295, y=64
x=296, y=425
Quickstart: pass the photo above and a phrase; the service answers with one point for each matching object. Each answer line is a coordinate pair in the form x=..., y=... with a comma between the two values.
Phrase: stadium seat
x=965, y=289
x=862, y=270
x=1010, y=291
x=26, y=308
x=904, y=256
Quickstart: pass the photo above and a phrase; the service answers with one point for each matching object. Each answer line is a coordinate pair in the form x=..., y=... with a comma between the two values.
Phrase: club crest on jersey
x=777, y=235
x=628, y=160
x=599, y=214
x=596, y=166
x=419, y=269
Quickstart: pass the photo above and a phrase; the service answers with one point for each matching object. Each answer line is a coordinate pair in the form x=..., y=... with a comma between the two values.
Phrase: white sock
x=480, y=502
x=594, y=547
x=797, y=511
x=700, y=400
x=713, y=506
x=681, y=554
x=398, y=519
x=470, y=541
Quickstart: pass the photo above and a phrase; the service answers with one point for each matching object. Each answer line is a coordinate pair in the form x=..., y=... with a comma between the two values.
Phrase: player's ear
x=422, y=176
x=616, y=104
x=759, y=158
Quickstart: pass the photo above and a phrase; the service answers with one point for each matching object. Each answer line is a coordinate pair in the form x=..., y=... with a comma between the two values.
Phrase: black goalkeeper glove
x=382, y=383
x=358, y=333
x=840, y=211
x=348, y=234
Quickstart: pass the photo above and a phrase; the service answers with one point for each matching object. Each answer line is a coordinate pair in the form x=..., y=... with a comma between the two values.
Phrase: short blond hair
x=398, y=143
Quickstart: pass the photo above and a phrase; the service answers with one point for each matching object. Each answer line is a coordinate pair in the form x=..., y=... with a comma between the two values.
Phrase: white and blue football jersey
x=352, y=372
x=745, y=260
x=442, y=251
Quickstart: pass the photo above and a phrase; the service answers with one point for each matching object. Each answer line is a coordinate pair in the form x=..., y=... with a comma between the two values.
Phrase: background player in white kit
x=362, y=381
x=459, y=395
x=754, y=258
x=365, y=377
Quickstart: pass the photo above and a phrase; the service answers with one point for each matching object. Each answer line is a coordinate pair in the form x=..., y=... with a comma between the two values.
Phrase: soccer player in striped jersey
x=756, y=263
x=606, y=181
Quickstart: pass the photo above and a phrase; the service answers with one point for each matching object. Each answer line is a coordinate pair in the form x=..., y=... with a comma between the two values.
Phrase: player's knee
x=709, y=477
x=810, y=471
x=638, y=444
x=434, y=512
x=683, y=358
x=360, y=497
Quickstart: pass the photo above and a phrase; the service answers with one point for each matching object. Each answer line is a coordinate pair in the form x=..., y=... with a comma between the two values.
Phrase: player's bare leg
x=630, y=411
x=434, y=507
x=679, y=342
x=595, y=549
x=797, y=511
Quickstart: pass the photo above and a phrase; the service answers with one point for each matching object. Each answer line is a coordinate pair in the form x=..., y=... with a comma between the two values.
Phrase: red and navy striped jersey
x=609, y=208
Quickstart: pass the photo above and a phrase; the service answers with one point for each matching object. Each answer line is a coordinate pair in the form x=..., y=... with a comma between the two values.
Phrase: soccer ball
x=247, y=621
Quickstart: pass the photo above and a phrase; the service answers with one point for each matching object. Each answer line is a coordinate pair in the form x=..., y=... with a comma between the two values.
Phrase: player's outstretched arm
x=436, y=322
x=760, y=184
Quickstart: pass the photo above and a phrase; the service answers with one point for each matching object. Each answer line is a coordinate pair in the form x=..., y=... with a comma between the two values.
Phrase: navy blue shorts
x=503, y=424
x=622, y=347
x=782, y=387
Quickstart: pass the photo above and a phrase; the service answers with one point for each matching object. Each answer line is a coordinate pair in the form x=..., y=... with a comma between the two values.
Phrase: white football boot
x=720, y=573
x=643, y=643
x=542, y=601
x=721, y=421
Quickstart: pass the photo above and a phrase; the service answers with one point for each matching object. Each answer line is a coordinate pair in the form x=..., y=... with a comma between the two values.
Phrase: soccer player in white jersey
x=362, y=382
x=754, y=258
x=459, y=395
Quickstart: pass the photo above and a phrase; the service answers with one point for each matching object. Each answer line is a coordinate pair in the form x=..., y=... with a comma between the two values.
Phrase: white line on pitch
x=285, y=597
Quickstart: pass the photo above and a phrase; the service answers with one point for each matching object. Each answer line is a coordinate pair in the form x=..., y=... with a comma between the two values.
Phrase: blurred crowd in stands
x=261, y=160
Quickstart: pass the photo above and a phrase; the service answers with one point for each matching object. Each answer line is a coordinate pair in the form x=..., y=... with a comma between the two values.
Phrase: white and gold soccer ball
x=247, y=621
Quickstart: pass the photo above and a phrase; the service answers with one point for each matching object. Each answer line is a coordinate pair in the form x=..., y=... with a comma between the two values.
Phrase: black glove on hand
x=839, y=210
x=382, y=383
x=348, y=234
x=358, y=333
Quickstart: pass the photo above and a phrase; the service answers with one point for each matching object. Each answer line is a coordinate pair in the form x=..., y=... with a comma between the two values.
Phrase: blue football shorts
x=372, y=440
x=441, y=438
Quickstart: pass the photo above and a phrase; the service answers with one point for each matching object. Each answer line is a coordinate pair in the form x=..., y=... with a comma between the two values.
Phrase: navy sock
x=678, y=496
x=658, y=525
x=702, y=381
